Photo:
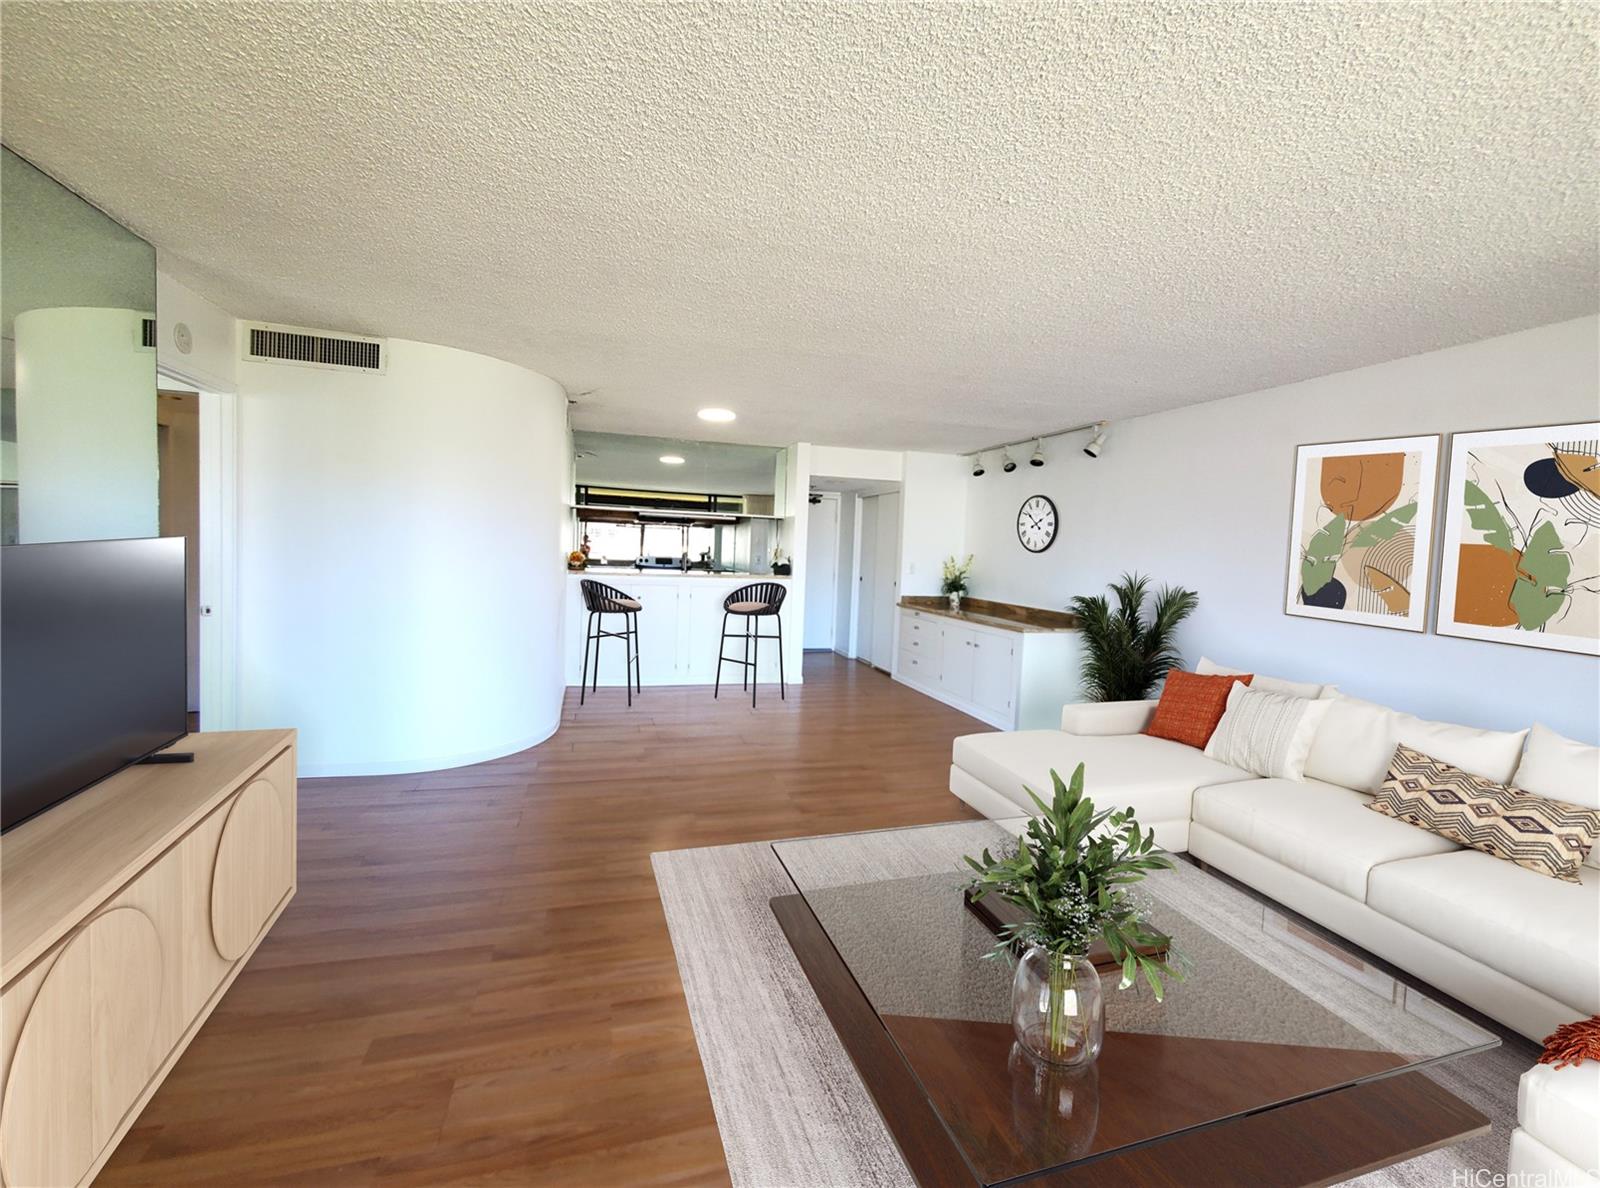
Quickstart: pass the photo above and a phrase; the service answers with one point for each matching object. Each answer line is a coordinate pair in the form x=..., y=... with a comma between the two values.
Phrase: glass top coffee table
x=1281, y=1058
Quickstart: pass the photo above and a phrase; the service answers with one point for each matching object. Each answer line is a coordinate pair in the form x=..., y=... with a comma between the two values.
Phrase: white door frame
x=852, y=609
x=219, y=549
x=861, y=639
x=832, y=591
x=889, y=598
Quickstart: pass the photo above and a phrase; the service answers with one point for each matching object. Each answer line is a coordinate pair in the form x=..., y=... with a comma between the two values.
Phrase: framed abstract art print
x=1520, y=557
x=1361, y=536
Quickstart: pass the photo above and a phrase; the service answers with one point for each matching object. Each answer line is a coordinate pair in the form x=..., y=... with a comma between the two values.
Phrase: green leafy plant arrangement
x=1073, y=873
x=1126, y=654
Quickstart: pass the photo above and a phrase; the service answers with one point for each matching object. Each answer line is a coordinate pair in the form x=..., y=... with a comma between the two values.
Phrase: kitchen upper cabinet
x=1016, y=680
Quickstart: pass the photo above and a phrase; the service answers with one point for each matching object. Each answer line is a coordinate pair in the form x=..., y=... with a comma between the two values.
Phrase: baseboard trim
x=313, y=770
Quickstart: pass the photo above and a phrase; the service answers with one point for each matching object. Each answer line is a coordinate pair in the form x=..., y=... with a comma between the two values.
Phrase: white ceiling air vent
x=291, y=344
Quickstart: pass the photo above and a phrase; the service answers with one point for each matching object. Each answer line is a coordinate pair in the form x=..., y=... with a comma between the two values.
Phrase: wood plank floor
x=475, y=984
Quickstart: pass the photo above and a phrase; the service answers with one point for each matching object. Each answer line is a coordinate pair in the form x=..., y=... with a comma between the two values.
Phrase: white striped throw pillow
x=1267, y=734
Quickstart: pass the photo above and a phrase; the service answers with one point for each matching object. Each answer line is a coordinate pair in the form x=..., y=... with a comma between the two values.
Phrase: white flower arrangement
x=955, y=575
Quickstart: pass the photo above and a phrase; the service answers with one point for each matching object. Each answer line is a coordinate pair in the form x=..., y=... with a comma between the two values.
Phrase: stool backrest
x=770, y=594
x=597, y=596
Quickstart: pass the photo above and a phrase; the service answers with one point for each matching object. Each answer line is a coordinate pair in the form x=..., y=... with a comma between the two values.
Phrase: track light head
x=1007, y=462
x=1097, y=442
x=977, y=467
x=1038, y=452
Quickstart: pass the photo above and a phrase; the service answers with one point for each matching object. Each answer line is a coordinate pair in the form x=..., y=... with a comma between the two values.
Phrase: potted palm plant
x=1072, y=876
x=1126, y=654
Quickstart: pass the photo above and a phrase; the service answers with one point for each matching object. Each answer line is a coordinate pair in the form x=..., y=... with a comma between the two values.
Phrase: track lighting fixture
x=1097, y=442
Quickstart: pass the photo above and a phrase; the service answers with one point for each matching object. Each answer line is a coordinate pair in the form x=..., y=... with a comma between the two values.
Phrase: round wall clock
x=1037, y=523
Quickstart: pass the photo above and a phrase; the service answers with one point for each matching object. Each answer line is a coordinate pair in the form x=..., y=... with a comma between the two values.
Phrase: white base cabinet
x=679, y=627
x=1015, y=680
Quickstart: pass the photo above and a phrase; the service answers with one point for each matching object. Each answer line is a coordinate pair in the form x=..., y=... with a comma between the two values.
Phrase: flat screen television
x=93, y=664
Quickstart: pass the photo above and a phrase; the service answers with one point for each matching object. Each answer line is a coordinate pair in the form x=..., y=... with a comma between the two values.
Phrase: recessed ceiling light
x=719, y=415
x=671, y=460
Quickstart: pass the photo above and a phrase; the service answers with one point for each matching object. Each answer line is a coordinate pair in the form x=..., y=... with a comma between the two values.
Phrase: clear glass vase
x=1058, y=1008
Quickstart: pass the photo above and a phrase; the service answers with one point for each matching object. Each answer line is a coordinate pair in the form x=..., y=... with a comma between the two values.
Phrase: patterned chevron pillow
x=1547, y=836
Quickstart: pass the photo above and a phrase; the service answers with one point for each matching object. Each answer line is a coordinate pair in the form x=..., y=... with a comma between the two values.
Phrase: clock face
x=1036, y=523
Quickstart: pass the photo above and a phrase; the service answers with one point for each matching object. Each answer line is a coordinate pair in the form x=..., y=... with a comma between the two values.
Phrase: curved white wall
x=401, y=572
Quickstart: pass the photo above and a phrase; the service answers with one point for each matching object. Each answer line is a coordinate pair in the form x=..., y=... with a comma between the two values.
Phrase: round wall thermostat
x=182, y=339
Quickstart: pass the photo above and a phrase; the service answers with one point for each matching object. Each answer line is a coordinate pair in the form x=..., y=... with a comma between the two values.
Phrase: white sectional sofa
x=1557, y=1139
x=1520, y=947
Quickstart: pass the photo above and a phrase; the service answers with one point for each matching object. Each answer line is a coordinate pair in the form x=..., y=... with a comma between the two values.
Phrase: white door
x=994, y=673
x=867, y=579
x=822, y=572
x=957, y=661
x=886, y=588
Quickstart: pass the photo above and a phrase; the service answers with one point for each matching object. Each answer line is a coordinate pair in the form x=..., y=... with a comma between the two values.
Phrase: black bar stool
x=752, y=603
x=601, y=600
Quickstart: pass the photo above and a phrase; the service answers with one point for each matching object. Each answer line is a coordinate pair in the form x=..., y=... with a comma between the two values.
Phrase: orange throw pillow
x=1191, y=706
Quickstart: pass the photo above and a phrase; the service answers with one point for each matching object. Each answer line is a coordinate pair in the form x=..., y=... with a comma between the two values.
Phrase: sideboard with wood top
x=126, y=912
x=1011, y=666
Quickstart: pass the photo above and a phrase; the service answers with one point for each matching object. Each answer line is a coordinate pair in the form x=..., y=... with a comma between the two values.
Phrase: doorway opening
x=197, y=459
x=853, y=568
x=178, y=466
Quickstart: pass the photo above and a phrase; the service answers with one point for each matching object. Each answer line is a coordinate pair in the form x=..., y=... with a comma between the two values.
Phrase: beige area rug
x=791, y=1110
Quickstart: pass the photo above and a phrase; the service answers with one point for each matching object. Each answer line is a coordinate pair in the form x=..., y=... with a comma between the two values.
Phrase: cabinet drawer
x=918, y=664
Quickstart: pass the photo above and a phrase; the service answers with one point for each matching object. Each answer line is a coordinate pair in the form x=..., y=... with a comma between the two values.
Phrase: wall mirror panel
x=670, y=464
x=79, y=452
x=676, y=503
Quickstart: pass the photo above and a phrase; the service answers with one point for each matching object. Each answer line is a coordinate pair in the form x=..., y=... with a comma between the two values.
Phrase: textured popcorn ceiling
x=874, y=225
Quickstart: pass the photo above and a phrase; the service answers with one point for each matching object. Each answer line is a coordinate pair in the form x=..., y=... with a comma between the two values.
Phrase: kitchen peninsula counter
x=680, y=626
x=605, y=573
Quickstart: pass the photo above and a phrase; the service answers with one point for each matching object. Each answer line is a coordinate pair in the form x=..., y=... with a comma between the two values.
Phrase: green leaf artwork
x=1322, y=554
x=1540, y=591
x=1381, y=529
x=1486, y=518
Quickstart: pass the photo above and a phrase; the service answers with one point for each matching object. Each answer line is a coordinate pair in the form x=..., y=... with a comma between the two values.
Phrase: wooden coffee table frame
x=1317, y=1140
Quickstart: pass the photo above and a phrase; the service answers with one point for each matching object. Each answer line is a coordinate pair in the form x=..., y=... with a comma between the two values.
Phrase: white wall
x=212, y=360
x=1201, y=496
x=401, y=574
x=850, y=462
x=86, y=462
x=933, y=513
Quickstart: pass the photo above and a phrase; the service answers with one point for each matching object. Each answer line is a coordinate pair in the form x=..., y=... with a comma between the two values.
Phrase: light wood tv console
x=125, y=914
